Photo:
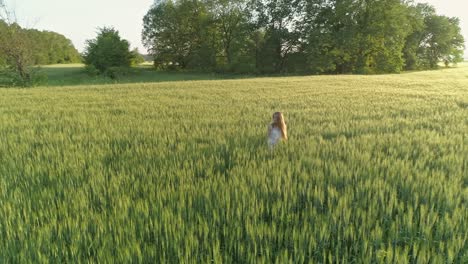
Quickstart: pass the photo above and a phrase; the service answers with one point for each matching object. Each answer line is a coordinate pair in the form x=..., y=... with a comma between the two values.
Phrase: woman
x=277, y=129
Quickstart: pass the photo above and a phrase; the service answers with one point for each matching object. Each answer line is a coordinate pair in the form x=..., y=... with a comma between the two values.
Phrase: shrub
x=11, y=78
x=107, y=50
x=117, y=72
x=91, y=70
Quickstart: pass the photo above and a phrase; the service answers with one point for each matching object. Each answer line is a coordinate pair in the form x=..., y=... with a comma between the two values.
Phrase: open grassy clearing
x=74, y=74
x=375, y=171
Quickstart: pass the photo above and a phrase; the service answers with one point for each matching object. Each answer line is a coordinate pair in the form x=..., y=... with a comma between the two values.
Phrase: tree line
x=253, y=37
x=45, y=47
x=22, y=48
x=300, y=36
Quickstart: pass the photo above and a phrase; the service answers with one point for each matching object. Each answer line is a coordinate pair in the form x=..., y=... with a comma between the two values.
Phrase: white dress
x=274, y=137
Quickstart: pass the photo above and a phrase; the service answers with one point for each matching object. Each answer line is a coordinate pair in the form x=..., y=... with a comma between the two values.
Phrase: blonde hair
x=280, y=124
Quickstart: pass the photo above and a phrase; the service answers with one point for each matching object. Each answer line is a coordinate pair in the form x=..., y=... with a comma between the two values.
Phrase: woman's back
x=274, y=135
x=277, y=129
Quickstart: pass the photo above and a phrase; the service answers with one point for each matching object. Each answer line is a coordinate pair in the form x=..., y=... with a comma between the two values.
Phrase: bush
x=107, y=50
x=91, y=70
x=39, y=78
x=11, y=78
x=117, y=72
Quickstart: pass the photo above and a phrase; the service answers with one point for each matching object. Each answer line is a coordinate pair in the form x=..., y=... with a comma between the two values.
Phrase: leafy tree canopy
x=309, y=36
x=107, y=50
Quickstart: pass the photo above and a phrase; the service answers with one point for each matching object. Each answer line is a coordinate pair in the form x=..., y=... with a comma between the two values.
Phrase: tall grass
x=375, y=171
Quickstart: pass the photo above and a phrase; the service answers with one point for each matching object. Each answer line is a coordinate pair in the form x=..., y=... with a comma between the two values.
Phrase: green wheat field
x=375, y=171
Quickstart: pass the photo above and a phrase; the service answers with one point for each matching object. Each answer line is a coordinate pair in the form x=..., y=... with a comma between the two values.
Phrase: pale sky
x=79, y=20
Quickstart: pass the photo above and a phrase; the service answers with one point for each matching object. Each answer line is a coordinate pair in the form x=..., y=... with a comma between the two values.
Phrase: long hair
x=279, y=123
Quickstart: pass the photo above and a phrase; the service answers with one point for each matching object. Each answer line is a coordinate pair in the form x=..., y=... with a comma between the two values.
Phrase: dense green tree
x=382, y=31
x=107, y=50
x=232, y=31
x=16, y=50
x=412, y=45
x=280, y=20
x=442, y=42
x=329, y=30
x=353, y=36
x=433, y=39
x=180, y=33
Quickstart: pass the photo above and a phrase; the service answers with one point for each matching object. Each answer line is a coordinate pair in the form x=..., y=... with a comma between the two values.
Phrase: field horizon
x=59, y=75
x=374, y=171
